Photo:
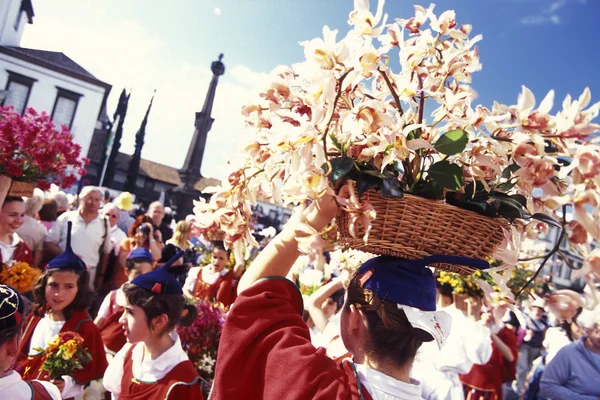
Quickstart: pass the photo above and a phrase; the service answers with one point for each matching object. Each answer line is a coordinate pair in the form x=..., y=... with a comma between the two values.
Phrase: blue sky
x=147, y=44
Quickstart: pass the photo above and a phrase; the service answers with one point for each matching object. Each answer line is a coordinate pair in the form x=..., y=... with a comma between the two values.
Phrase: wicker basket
x=414, y=227
x=21, y=189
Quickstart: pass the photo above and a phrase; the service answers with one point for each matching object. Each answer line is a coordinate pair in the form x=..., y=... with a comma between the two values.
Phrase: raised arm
x=280, y=254
x=316, y=300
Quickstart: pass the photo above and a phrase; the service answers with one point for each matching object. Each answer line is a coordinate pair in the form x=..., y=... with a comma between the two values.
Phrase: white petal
x=547, y=104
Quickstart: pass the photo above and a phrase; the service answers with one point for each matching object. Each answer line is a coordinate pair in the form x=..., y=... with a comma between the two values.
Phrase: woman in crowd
x=61, y=300
x=12, y=247
x=32, y=231
x=484, y=381
x=212, y=282
x=574, y=373
x=389, y=311
x=153, y=364
x=141, y=235
x=48, y=213
x=181, y=241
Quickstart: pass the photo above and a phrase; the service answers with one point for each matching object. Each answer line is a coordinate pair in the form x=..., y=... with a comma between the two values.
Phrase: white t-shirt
x=116, y=237
x=13, y=387
x=143, y=367
x=384, y=387
x=45, y=331
x=33, y=233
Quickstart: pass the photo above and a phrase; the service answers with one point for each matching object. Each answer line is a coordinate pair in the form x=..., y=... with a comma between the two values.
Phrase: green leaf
x=340, y=167
x=414, y=134
x=450, y=176
x=452, y=142
x=391, y=188
x=385, y=175
x=365, y=182
x=430, y=191
x=550, y=220
x=509, y=171
x=506, y=186
x=520, y=198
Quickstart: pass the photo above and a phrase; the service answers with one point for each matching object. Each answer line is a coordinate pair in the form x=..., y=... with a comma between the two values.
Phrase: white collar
x=380, y=385
x=11, y=379
x=163, y=363
x=14, y=241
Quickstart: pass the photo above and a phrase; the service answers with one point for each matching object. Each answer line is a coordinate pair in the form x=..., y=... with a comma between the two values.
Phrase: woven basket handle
x=455, y=260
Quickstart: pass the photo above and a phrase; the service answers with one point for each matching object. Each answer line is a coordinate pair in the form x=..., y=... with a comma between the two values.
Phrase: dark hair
x=445, y=289
x=218, y=244
x=10, y=199
x=130, y=263
x=8, y=334
x=82, y=300
x=338, y=298
x=49, y=211
x=173, y=305
x=393, y=339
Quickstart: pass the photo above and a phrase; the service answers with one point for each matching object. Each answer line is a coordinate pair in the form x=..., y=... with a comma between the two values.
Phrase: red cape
x=80, y=322
x=265, y=351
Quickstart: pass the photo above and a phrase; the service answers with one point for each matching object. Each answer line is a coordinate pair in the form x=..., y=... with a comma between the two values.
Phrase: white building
x=47, y=80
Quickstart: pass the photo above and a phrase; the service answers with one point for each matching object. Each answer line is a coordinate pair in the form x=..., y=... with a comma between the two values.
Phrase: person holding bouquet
x=139, y=262
x=61, y=300
x=212, y=282
x=153, y=364
x=389, y=311
x=12, y=386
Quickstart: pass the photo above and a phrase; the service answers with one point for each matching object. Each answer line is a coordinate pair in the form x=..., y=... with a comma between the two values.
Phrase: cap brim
x=435, y=323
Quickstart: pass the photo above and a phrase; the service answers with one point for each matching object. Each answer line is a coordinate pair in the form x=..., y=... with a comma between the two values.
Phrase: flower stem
x=392, y=91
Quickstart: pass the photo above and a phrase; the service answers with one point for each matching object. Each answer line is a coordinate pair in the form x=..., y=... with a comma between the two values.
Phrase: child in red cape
x=138, y=262
x=213, y=282
x=61, y=299
x=389, y=311
x=153, y=364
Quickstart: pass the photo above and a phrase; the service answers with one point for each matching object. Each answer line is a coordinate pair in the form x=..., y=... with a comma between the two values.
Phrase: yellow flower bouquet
x=64, y=355
x=19, y=275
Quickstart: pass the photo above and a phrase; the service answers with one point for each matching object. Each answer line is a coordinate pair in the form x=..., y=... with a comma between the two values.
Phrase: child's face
x=139, y=269
x=219, y=259
x=61, y=289
x=134, y=323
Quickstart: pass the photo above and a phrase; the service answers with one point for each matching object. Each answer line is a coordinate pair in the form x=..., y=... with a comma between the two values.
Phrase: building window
x=161, y=187
x=19, y=88
x=120, y=177
x=140, y=182
x=65, y=107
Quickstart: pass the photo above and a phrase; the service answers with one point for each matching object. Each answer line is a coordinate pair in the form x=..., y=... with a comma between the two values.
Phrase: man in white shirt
x=90, y=234
x=468, y=343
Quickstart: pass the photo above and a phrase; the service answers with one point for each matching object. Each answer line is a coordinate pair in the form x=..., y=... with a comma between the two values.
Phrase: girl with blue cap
x=389, y=311
x=153, y=365
x=61, y=299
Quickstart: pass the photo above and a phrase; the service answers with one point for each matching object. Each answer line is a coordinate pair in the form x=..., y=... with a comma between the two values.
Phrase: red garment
x=39, y=391
x=265, y=351
x=485, y=381
x=22, y=254
x=221, y=290
x=110, y=329
x=80, y=322
x=182, y=382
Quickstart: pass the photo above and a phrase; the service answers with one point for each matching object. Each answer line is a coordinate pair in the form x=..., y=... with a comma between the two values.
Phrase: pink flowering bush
x=33, y=150
x=356, y=113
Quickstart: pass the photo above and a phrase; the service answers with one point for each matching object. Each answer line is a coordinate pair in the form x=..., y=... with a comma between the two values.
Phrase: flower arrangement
x=466, y=285
x=201, y=340
x=33, y=150
x=64, y=355
x=345, y=117
x=19, y=275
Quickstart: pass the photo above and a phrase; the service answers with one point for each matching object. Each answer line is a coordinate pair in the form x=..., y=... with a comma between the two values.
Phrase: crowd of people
x=125, y=280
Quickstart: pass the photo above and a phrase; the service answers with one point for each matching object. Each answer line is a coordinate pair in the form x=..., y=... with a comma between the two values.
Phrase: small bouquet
x=200, y=341
x=19, y=275
x=34, y=150
x=64, y=355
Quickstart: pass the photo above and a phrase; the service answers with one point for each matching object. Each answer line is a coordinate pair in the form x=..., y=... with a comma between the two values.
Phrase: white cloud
x=217, y=11
x=126, y=54
x=541, y=20
x=555, y=6
x=549, y=14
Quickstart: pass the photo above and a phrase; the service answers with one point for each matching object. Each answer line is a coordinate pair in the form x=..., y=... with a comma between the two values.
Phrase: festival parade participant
x=388, y=313
x=153, y=365
x=61, y=301
x=212, y=282
x=139, y=262
x=12, y=386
